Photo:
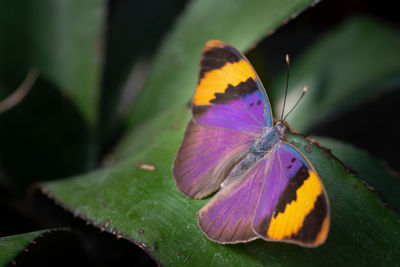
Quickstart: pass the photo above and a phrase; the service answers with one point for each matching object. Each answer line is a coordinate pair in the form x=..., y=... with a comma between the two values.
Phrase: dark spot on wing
x=251, y=104
x=290, y=166
x=259, y=102
x=293, y=159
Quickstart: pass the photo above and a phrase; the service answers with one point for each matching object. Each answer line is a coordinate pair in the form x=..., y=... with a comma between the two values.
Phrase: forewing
x=293, y=205
x=229, y=93
x=228, y=216
x=206, y=157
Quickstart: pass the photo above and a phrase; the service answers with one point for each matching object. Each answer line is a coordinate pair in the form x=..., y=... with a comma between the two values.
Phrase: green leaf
x=145, y=207
x=61, y=38
x=173, y=76
x=353, y=63
x=50, y=247
x=376, y=173
x=134, y=31
x=11, y=246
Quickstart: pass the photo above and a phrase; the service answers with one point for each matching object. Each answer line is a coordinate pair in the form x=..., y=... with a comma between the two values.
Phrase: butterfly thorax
x=270, y=138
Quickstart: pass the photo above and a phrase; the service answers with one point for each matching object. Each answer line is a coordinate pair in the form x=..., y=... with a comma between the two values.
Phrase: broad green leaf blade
x=377, y=174
x=145, y=207
x=61, y=38
x=52, y=247
x=353, y=63
x=172, y=79
x=11, y=246
x=67, y=48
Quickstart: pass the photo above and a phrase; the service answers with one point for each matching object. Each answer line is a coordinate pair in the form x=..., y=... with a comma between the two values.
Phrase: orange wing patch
x=291, y=220
x=214, y=43
x=217, y=80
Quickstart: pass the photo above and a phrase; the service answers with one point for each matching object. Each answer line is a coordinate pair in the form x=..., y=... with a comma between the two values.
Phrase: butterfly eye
x=286, y=124
x=285, y=130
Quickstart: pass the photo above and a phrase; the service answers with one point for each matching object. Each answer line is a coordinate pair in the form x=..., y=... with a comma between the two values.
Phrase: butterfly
x=265, y=187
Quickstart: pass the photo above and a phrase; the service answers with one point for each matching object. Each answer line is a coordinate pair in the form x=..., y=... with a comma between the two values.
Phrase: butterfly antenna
x=287, y=84
x=298, y=101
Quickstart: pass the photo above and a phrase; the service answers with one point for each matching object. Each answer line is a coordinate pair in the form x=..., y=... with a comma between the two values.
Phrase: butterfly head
x=282, y=128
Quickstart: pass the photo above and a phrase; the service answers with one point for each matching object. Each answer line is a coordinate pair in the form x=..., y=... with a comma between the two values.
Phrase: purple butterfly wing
x=230, y=109
x=206, y=157
x=228, y=216
x=251, y=206
x=293, y=205
x=229, y=93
